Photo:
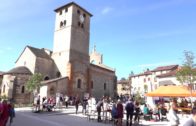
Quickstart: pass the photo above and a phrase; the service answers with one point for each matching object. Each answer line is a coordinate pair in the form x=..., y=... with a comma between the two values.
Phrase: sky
x=132, y=35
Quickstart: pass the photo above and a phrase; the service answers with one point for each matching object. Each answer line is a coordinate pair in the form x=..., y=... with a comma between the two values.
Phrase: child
x=11, y=112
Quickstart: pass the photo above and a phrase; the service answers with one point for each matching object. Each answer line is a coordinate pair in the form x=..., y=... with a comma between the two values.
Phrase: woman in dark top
x=137, y=112
x=120, y=113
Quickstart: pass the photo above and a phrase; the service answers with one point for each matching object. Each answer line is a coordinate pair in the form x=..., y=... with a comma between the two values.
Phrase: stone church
x=69, y=69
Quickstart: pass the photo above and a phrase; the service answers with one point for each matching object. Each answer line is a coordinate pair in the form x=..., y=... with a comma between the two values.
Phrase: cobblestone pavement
x=67, y=117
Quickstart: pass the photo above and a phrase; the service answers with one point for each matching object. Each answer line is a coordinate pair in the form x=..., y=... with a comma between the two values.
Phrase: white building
x=151, y=79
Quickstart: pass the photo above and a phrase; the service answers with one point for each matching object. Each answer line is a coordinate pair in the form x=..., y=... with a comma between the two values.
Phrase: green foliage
x=189, y=59
x=122, y=79
x=3, y=97
x=34, y=82
x=187, y=74
x=138, y=98
x=1, y=81
x=145, y=88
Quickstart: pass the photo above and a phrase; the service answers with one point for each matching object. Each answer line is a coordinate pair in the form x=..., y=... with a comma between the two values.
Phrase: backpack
x=114, y=112
x=129, y=107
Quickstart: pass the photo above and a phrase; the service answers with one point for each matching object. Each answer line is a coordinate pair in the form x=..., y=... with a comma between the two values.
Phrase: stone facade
x=68, y=69
x=123, y=87
x=14, y=83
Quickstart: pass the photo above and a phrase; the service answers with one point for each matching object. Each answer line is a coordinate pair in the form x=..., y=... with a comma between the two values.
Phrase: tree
x=187, y=74
x=123, y=79
x=0, y=81
x=33, y=84
x=145, y=88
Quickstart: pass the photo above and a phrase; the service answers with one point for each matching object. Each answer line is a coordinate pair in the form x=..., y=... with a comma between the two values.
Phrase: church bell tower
x=71, y=37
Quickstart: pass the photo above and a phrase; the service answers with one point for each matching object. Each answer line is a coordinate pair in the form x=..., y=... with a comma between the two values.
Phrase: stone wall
x=45, y=67
x=99, y=77
x=15, y=88
x=51, y=87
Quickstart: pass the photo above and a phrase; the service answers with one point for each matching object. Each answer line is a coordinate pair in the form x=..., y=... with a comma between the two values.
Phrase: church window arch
x=105, y=86
x=79, y=82
x=52, y=91
x=61, y=24
x=64, y=23
x=79, y=24
x=92, y=85
x=46, y=78
x=58, y=74
x=84, y=15
x=78, y=11
x=60, y=12
x=23, y=89
x=66, y=9
x=82, y=25
x=3, y=88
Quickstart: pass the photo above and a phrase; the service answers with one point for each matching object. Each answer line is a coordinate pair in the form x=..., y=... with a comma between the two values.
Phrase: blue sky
x=132, y=35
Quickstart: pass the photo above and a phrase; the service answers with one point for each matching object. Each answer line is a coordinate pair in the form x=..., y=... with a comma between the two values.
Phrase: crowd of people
x=132, y=109
x=118, y=108
x=7, y=112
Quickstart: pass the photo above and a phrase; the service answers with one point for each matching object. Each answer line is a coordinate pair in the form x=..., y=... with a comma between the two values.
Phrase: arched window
x=64, y=23
x=92, y=85
x=60, y=12
x=52, y=91
x=79, y=83
x=46, y=78
x=104, y=86
x=3, y=88
x=61, y=24
x=23, y=89
x=58, y=74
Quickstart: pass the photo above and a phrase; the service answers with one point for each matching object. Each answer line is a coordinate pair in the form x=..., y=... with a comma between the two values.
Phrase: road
x=67, y=117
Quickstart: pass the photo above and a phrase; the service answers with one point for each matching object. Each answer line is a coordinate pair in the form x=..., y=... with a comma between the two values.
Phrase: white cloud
x=106, y=10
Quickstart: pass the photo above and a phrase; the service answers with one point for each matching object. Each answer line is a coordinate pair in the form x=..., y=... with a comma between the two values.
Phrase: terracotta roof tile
x=39, y=52
x=162, y=68
x=19, y=70
x=169, y=74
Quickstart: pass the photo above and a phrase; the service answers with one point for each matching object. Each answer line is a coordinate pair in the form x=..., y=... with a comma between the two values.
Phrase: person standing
x=1, y=112
x=191, y=121
x=99, y=107
x=137, y=112
x=129, y=111
x=11, y=112
x=172, y=116
x=66, y=101
x=5, y=113
x=84, y=105
x=77, y=104
x=120, y=113
x=38, y=104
